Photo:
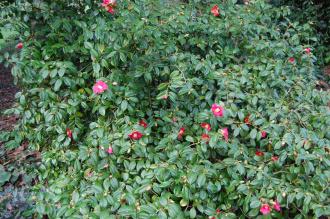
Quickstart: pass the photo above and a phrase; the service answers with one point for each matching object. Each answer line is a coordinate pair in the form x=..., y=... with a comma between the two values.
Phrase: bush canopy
x=169, y=109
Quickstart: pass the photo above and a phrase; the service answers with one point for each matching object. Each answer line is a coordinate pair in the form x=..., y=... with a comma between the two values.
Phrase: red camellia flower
x=247, y=120
x=308, y=50
x=19, y=46
x=274, y=158
x=291, y=60
x=215, y=10
x=143, y=124
x=218, y=211
x=259, y=153
x=206, y=126
x=265, y=209
x=111, y=10
x=136, y=135
x=217, y=110
x=181, y=132
x=69, y=133
x=205, y=137
x=263, y=134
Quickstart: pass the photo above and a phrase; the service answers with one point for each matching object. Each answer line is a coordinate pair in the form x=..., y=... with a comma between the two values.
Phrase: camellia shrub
x=169, y=109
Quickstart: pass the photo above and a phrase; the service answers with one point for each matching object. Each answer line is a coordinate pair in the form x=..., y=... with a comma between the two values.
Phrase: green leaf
x=88, y=45
x=127, y=211
x=96, y=68
x=254, y=100
x=102, y=111
x=61, y=72
x=190, y=139
x=44, y=73
x=75, y=197
x=253, y=133
x=53, y=73
x=143, y=188
x=236, y=132
x=61, y=138
x=192, y=213
x=22, y=100
x=201, y=180
x=122, y=57
x=213, y=141
x=255, y=203
x=192, y=176
x=174, y=211
x=124, y=105
x=259, y=122
x=58, y=84
x=4, y=176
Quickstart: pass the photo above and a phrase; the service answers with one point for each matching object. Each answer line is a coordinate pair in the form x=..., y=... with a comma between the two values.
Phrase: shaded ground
x=14, y=187
x=7, y=95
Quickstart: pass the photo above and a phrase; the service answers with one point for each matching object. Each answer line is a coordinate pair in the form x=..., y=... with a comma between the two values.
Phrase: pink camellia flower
x=277, y=206
x=308, y=50
x=99, y=87
x=110, y=150
x=109, y=5
x=265, y=209
x=143, y=124
x=206, y=126
x=105, y=3
x=225, y=133
x=205, y=137
x=274, y=158
x=165, y=97
x=69, y=133
x=259, y=153
x=217, y=110
x=109, y=2
x=19, y=46
x=181, y=132
x=136, y=135
x=291, y=60
x=263, y=134
x=215, y=10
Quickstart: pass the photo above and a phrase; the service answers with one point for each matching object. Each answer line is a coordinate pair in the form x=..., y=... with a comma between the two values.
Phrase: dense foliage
x=162, y=109
x=316, y=13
